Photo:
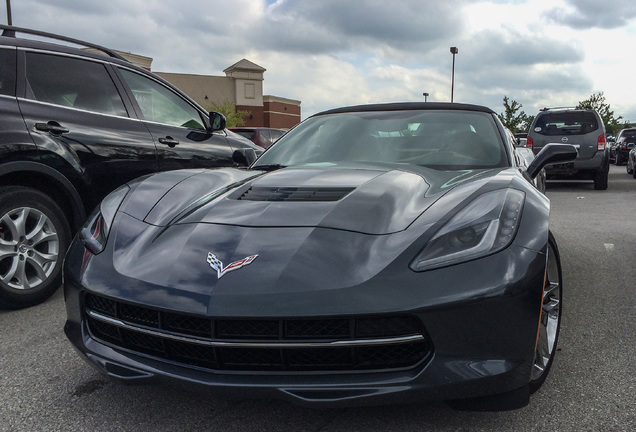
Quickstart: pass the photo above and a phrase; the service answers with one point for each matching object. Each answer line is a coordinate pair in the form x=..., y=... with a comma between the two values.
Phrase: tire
x=34, y=236
x=634, y=172
x=629, y=166
x=550, y=318
x=600, y=180
x=619, y=159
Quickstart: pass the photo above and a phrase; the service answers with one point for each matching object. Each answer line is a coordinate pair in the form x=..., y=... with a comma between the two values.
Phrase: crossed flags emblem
x=217, y=265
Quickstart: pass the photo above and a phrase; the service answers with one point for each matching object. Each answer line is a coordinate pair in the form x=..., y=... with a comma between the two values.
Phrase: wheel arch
x=49, y=181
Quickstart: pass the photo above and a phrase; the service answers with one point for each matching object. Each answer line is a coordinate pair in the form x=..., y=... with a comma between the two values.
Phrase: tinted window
x=160, y=104
x=445, y=139
x=566, y=123
x=7, y=71
x=73, y=83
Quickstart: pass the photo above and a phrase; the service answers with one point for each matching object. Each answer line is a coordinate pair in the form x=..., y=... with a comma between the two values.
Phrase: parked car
x=583, y=129
x=611, y=143
x=631, y=162
x=378, y=253
x=261, y=136
x=624, y=144
x=525, y=157
x=522, y=139
x=76, y=125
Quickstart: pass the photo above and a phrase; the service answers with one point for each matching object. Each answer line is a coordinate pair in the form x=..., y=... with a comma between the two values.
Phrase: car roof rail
x=558, y=108
x=10, y=31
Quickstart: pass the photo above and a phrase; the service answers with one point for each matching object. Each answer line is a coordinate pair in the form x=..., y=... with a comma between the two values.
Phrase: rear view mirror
x=550, y=154
x=217, y=121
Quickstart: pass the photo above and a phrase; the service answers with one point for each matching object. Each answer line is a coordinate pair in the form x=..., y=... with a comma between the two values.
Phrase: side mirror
x=217, y=121
x=244, y=156
x=551, y=154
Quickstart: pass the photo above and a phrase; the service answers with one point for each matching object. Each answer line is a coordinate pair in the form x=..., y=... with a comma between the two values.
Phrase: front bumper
x=480, y=319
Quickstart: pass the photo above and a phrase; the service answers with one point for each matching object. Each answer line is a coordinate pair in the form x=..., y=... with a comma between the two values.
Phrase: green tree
x=513, y=118
x=233, y=117
x=597, y=102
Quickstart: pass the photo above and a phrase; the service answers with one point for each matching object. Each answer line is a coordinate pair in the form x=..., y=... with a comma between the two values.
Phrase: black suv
x=625, y=141
x=74, y=125
x=584, y=129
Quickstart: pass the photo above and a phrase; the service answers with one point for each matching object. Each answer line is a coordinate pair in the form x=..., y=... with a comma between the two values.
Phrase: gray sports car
x=375, y=254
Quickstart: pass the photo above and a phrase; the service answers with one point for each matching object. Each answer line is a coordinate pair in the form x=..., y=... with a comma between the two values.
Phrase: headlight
x=486, y=225
x=95, y=231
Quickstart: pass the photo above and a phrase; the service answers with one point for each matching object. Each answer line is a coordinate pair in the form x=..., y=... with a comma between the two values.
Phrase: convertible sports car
x=375, y=254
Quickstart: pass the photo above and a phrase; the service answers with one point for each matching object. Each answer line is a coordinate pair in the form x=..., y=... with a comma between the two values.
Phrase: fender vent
x=295, y=194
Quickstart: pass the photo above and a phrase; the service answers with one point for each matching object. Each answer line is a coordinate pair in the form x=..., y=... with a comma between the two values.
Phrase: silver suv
x=584, y=129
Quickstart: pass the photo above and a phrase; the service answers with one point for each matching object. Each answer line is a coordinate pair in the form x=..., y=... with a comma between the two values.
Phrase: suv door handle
x=171, y=142
x=52, y=127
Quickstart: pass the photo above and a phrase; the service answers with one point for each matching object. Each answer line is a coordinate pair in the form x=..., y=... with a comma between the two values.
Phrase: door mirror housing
x=217, y=121
x=551, y=154
x=244, y=156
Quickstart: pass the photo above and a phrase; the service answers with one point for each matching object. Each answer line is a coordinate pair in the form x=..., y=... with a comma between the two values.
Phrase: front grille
x=291, y=344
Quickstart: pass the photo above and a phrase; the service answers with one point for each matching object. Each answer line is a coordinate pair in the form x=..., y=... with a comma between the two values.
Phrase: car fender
x=57, y=182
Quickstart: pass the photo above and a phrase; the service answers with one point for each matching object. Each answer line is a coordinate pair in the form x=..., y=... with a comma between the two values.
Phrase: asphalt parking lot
x=45, y=386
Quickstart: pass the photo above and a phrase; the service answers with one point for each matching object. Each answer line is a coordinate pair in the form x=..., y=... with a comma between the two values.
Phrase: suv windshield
x=441, y=139
x=566, y=123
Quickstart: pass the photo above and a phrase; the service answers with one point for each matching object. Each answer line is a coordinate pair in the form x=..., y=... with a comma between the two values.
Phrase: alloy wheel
x=550, y=318
x=29, y=248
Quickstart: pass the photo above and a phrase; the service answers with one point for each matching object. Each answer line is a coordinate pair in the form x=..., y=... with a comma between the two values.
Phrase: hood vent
x=294, y=194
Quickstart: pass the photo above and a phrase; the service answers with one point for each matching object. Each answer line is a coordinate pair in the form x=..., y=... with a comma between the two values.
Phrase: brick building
x=242, y=86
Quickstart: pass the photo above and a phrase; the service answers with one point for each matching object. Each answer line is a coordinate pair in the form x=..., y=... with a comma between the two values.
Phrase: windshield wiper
x=272, y=167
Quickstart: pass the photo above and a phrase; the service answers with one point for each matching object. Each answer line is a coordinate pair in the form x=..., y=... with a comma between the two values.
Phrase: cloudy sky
x=330, y=53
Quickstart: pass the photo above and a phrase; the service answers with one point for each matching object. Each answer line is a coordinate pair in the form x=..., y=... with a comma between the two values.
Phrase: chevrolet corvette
x=375, y=254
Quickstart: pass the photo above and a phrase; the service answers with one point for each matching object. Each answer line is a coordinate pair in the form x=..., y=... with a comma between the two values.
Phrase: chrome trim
x=219, y=344
x=35, y=101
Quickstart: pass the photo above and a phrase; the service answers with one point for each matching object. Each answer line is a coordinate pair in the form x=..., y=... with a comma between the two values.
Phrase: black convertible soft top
x=401, y=106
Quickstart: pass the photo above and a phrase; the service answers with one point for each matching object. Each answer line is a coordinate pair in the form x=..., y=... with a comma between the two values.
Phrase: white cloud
x=332, y=53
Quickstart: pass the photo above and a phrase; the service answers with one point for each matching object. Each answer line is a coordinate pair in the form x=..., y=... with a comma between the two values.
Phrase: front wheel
x=550, y=318
x=34, y=236
x=619, y=159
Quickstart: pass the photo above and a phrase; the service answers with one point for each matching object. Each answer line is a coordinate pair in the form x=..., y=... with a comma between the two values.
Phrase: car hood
x=374, y=201
x=182, y=246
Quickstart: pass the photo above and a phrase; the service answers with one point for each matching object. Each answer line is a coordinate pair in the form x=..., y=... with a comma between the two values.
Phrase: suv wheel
x=34, y=236
x=600, y=179
x=619, y=159
x=629, y=166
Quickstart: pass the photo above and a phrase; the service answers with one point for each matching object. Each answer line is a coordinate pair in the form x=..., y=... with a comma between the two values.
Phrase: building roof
x=245, y=65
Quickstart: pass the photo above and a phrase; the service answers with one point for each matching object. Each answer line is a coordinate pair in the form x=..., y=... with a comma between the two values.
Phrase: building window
x=250, y=91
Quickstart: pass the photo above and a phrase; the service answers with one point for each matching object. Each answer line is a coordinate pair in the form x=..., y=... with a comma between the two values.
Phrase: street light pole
x=9, y=12
x=453, y=51
x=425, y=96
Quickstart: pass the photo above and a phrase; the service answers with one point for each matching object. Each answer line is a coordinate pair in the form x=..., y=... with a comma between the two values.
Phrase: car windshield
x=443, y=139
